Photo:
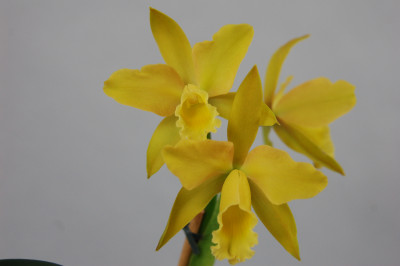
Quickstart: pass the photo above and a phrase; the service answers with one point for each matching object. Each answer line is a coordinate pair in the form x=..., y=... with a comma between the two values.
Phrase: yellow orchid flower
x=190, y=90
x=305, y=112
x=266, y=178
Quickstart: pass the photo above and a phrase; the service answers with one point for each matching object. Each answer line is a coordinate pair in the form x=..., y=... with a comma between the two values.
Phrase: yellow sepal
x=173, y=44
x=278, y=219
x=166, y=133
x=274, y=69
x=187, y=205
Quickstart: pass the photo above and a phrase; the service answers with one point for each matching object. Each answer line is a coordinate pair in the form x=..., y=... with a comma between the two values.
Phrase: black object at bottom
x=25, y=262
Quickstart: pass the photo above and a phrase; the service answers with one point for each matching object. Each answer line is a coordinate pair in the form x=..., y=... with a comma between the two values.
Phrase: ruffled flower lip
x=196, y=117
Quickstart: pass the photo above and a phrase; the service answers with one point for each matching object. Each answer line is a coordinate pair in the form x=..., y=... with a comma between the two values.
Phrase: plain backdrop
x=73, y=187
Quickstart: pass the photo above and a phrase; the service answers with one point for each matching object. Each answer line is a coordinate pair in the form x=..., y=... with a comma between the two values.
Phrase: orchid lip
x=196, y=117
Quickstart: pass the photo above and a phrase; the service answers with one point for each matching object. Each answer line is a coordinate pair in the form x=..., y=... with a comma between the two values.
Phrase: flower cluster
x=190, y=91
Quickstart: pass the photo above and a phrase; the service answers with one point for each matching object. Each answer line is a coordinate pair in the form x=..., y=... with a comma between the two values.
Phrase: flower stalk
x=208, y=225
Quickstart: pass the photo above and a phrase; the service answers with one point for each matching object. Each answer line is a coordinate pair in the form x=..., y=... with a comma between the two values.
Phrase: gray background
x=73, y=186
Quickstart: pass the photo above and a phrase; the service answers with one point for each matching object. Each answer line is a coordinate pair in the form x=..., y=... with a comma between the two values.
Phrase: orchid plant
x=225, y=178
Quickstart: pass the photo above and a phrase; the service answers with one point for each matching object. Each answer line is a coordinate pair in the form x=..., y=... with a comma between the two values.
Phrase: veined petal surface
x=280, y=178
x=155, y=88
x=315, y=143
x=194, y=162
x=278, y=219
x=216, y=62
x=245, y=115
x=187, y=205
x=173, y=44
x=165, y=134
x=274, y=68
x=316, y=103
x=235, y=237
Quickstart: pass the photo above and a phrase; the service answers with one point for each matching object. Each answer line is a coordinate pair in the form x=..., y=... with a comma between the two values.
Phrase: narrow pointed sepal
x=315, y=143
x=274, y=68
x=166, y=133
x=173, y=44
x=245, y=115
x=278, y=219
x=187, y=205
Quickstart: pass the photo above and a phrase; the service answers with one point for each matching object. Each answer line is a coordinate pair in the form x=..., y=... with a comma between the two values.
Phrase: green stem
x=208, y=225
x=266, y=131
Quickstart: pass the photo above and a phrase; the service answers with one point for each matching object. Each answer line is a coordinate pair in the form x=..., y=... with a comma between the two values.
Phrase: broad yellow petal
x=155, y=88
x=316, y=103
x=280, y=178
x=315, y=143
x=187, y=205
x=223, y=103
x=274, y=68
x=165, y=134
x=235, y=237
x=173, y=44
x=245, y=115
x=194, y=162
x=278, y=219
x=216, y=62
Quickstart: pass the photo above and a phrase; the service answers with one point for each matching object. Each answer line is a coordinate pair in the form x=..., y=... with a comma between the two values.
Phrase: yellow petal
x=165, y=134
x=187, y=205
x=235, y=237
x=278, y=219
x=155, y=88
x=245, y=115
x=315, y=143
x=274, y=68
x=223, y=103
x=268, y=117
x=316, y=103
x=217, y=61
x=173, y=44
x=280, y=178
x=194, y=162
x=196, y=117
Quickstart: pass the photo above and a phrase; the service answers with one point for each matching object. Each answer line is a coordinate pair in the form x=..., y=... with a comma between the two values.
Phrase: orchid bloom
x=265, y=178
x=305, y=112
x=190, y=90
